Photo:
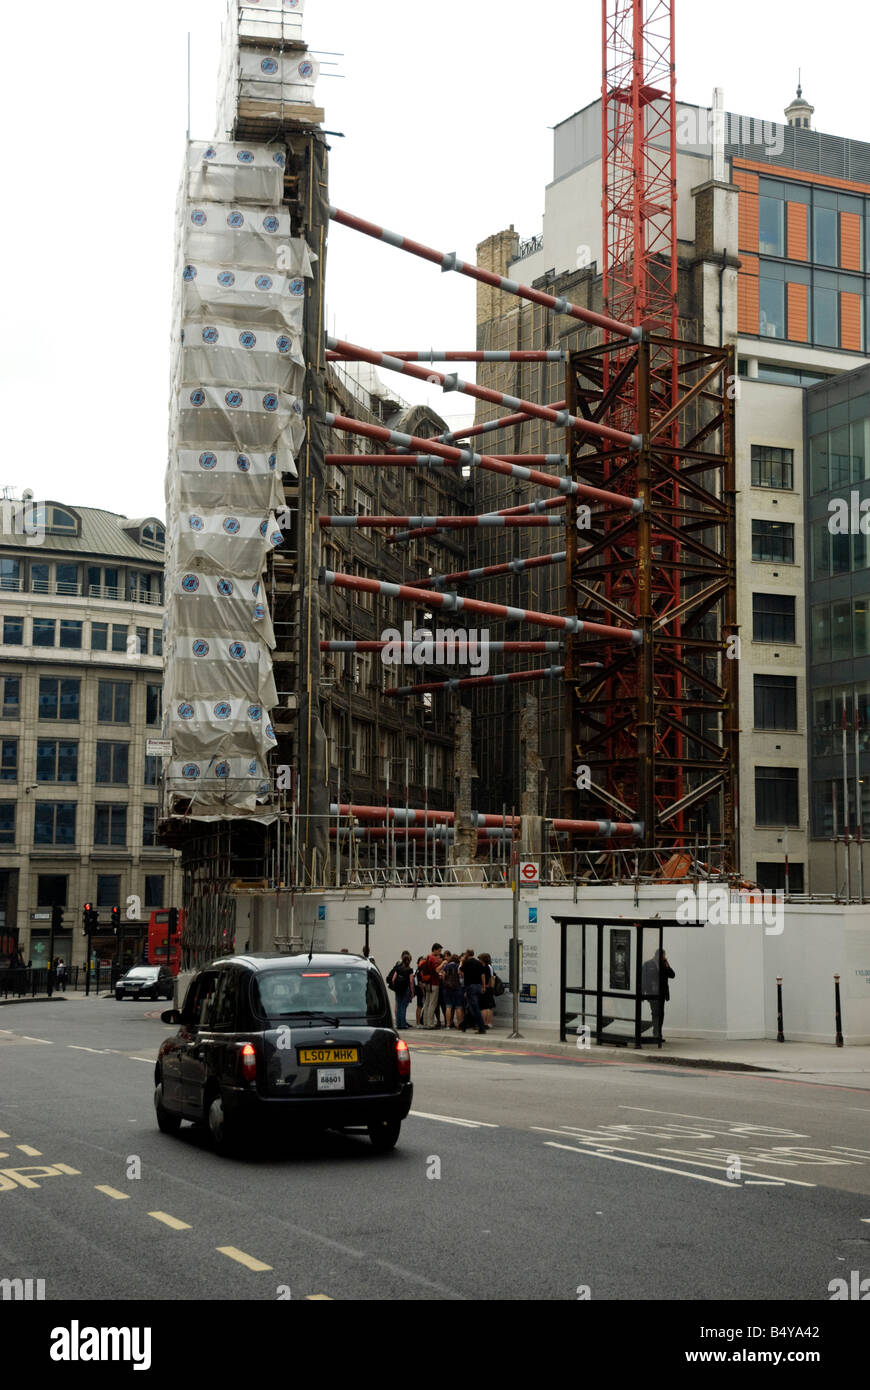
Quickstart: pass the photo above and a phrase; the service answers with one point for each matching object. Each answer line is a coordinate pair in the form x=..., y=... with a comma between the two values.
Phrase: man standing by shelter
x=656, y=973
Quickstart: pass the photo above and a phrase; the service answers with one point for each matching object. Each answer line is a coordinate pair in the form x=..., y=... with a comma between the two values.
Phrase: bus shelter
x=609, y=981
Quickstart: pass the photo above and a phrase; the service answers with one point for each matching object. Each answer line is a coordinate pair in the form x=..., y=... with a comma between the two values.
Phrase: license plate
x=327, y=1056
x=330, y=1080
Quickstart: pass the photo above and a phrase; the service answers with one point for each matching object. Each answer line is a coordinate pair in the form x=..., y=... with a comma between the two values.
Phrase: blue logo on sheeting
x=243, y=463
x=185, y=711
x=195, y=523
x=273, y=460
x=269, y=65
x=209, y=335
x=254, y=712
x=197, y=397
x=224, y=588
x=255, y=590
x=233, y=399
x=226, y=278
x=222, y=770
x=264, y=526
x=235, y=219
x=190, y=583
x=190, y=272
x=198, y=217
x=231, y=526
x=270, y=402
x=270, y=732
x=277, y=538
x=252, y=768
x=271, y=224
x=223, y=710
x=279, y=160
x=245, y=157
x=200, y=647
x=297, y=287
x=263, y=282
x=208, y=461
x=190, y=771
x=211, y=153
x=259, y=612
x=283, y=344
x=306, y=69
x=247, y=338
x=238, y=651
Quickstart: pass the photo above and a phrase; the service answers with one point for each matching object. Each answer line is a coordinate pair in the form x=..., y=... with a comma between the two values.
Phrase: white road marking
x=773, y=1182
x=48, y=1041
x=595, y=1146
x=453, y=1120
x=614, y=1158
x=850, y=1149
x=865, y=1220
x=732, y=1124
x=149, y=1060
x=113, y=1192
x=26, y=1149
x=75, y=1048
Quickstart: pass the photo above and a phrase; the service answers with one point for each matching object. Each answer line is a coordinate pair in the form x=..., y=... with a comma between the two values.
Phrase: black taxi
x=265, y=1039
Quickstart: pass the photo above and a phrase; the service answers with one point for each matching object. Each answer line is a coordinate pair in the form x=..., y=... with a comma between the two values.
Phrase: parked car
x=146, y=982
x=264, y=1040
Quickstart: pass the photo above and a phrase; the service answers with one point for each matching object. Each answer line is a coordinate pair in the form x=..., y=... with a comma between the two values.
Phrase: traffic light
x=172, y=921
x=56, y=917
x=89, y=918
x=116, y=918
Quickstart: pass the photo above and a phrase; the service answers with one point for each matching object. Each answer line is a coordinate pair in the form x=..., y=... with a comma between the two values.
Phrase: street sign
x=158, y=747
x=40, y=916
x=529, y=872
x=365, y=916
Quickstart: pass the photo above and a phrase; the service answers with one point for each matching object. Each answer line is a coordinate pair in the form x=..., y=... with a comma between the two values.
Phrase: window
x=819, y=473
x=772, y=877
x=56, y=519
x=775, y=702
x=840, y=457
x=157, y=642
x=826, y=320
x=71, y=634
x=776, y=796
x=9, y=760
x=771, y=232
x=153, y=704
x=771, y=307
x=153, y=769
x=10, y=574
x=51, y=890
x=821, y=550
x=10, y=690
x=44, y=630
x=860, y=628
x=103, y=582
x=149, y=827
x=825, y=247
x=142, y=641
x=225, y=1009
x=108, y=890
x=789, y=376
x=58, y=699
x=361, y=747
x=56, y=761
x=773, y=541
x=7, y=822
x=119, y=638
x=772, y=467
x=110, y=824
x=67, y=579
x=54, y=823
x=99, y=637
x=362, y=502
x=40, y=578
x=154, y=890
x=13, y=632
x=112, y=762
x=113, y=702
x=820, y=632
x=363, y=597
x=841, y=631
x=153, y=534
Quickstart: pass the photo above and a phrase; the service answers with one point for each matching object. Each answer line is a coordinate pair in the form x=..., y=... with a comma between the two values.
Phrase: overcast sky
x=445, y=112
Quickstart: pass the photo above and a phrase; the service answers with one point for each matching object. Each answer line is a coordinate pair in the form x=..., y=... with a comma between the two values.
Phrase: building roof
x=104, y=534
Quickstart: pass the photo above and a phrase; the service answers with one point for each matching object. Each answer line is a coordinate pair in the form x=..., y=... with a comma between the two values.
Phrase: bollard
x=780, y=1035
x=837, y=1012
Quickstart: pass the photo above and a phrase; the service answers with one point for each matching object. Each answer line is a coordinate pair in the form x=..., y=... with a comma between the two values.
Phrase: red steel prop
x=453, y=603
x=407, y=815
x=454, y=382
x=450, y=261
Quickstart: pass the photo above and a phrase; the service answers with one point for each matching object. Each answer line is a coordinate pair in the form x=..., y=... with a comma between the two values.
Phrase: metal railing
x=529, y=246
x=65, y=589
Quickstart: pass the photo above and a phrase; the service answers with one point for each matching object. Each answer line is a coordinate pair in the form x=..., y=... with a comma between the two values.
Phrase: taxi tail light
x=249, y=1062
x=403, y=1058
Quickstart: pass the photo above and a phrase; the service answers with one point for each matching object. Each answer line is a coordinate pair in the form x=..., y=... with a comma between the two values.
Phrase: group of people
x=451, y=990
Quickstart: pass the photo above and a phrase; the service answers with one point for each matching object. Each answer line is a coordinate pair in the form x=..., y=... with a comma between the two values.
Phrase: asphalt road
x=517, y=1177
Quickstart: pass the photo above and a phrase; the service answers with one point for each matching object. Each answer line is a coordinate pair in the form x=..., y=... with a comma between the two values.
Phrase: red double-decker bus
x=165, y=926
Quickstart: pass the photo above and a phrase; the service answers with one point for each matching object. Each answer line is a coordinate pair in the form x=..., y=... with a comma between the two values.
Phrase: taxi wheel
x=384, y=1134
x=223, y=1131
x=167, y=1123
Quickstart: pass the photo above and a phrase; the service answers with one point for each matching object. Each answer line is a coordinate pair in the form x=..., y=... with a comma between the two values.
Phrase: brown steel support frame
x=658, y=726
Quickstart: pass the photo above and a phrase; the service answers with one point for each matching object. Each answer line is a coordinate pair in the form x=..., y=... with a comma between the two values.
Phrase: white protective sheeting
x=266, y=75
x=236, y=423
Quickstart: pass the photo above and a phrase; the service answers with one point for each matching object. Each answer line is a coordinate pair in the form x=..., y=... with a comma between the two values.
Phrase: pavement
x=846, y=1065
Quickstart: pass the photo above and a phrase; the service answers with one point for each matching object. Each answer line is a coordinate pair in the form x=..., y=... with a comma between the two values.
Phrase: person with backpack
x=431, y=981
x=451, y=987
x=399, y=981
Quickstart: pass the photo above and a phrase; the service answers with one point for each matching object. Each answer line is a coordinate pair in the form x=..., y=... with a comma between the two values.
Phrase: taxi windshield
x=341, y=992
